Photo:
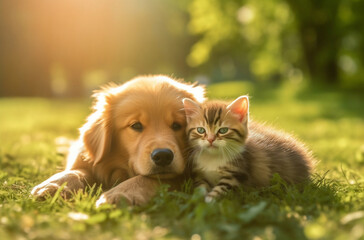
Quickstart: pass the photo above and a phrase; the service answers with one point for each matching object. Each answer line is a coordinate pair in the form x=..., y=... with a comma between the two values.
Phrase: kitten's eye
x=223, y=130
x=176, y=126
x=137, y=127
x=201, y=130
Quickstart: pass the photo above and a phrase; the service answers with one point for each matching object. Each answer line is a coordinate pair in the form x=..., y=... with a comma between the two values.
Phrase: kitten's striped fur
x=247, y=154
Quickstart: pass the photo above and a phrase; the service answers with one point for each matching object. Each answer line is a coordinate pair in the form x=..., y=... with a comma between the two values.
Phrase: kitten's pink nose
x=211, y=139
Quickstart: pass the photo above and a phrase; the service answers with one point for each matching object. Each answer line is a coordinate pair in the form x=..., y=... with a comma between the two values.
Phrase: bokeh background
x=67, y=48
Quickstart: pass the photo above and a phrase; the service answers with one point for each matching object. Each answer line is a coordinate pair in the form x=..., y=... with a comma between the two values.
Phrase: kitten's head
x=217, y=126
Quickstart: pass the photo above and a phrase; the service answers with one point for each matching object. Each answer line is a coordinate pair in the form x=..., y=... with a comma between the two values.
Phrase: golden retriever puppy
x=134, y=139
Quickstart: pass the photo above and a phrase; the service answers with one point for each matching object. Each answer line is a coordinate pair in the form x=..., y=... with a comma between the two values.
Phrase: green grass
x=331, y=207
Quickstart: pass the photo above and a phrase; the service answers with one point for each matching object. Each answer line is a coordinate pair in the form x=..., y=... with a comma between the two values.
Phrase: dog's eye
x=176, y=126
x=137, y=127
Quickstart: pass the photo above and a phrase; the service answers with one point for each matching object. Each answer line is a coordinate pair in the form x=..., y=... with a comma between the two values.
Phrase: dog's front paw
x=137, y=190
x=68, y=181
x=43, y=190
x=113, y=197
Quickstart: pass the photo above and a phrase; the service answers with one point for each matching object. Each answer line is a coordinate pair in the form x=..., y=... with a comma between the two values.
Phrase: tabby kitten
x=228, y=150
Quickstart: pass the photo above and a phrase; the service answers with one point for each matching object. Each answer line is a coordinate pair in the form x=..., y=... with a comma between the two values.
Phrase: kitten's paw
x=210, y=199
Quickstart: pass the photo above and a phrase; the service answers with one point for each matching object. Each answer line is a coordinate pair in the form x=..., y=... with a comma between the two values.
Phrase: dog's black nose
x=162, y=156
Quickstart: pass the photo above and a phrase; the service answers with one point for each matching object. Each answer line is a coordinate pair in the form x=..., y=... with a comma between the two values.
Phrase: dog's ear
x=198, y=93
x=96, y=132
x=195, y=92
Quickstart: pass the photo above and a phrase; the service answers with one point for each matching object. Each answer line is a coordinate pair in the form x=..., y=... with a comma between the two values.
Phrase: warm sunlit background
x=67, y=48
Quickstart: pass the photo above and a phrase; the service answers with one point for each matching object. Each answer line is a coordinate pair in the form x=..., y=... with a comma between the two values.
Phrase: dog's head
x=141, y=124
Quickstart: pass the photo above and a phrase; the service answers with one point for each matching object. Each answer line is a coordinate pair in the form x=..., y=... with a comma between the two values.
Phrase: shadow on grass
x=334, y=103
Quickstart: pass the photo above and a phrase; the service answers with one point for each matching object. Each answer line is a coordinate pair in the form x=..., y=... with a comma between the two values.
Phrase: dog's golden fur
x=110, y=152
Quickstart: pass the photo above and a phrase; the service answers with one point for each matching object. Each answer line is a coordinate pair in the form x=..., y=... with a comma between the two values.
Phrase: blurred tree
x=320, y=34
x=332, y=37
x=279, y=39
x=243, y=38
x=351, y=59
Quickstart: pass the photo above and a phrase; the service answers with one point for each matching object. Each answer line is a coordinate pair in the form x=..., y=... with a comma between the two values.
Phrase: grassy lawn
x=33, y=131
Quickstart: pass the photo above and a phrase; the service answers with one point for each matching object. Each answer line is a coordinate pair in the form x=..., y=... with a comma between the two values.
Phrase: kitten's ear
x=191, y=108
x=240, y=107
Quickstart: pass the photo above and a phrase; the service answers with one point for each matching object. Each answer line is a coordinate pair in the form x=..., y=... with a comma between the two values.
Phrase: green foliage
x=329, y=207
x=279, y=40
x=257, y=34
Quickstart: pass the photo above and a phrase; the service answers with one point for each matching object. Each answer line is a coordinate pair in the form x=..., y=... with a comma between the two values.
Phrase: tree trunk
x=320, y=55
x=319, y=35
